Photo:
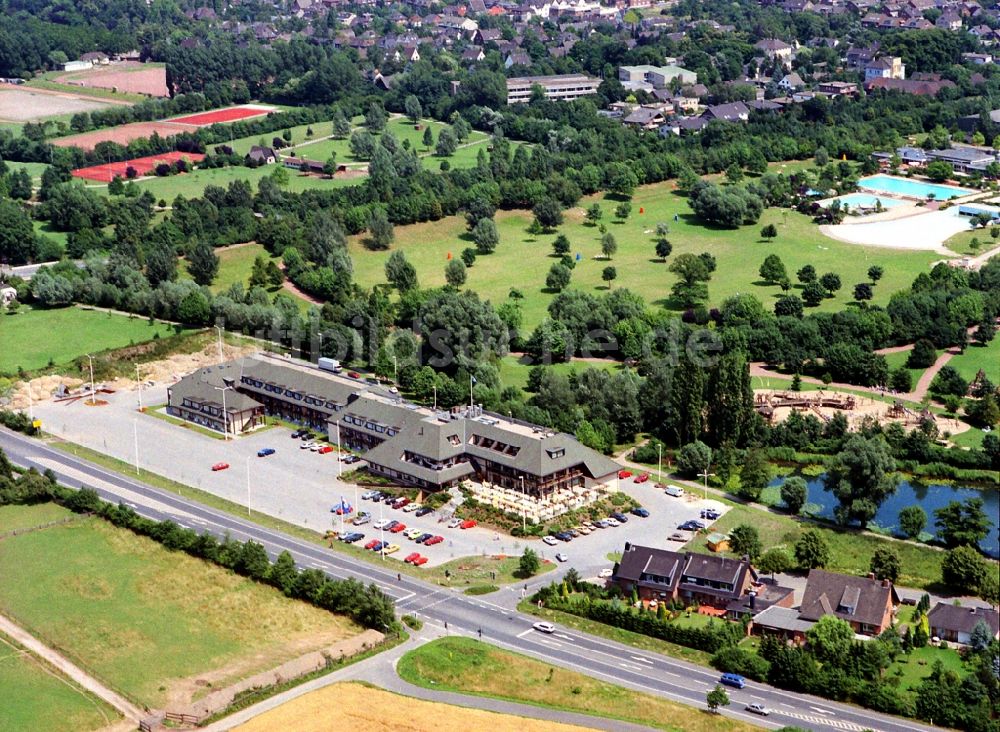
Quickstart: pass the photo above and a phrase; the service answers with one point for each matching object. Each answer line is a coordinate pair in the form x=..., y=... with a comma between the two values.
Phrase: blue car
x=734, y=680
x=640, y=512
x=265, y=451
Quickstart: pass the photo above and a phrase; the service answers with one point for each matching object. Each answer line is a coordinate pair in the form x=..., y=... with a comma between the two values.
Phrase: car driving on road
x=544, y=627
x=756, y=708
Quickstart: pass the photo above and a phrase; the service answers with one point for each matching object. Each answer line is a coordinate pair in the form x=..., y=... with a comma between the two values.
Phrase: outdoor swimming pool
x=865, y=200
x=911, y=188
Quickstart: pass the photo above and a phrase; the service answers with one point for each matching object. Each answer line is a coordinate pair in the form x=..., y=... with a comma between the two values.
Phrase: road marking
x=563, y=636
x=821, y=711
x=548, y=642
x=529, y=630
x=643, y=660
x=631, y=666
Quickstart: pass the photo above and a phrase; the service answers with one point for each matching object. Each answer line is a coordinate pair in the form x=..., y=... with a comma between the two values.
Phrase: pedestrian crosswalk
x=827, y=721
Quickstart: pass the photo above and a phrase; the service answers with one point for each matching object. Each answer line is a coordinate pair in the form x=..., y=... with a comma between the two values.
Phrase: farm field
x=979, y=357
x=21, y=104
x=221, y=116
x=80, y=331
x=149, y=79
x=122, y=134
x=473, y=667
x=37, y=697
x=738, y=252
x=15, y=517
x=362, y=707
x=116, y=600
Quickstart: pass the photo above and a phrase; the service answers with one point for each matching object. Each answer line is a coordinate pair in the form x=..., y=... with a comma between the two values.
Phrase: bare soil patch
x=18, y=104
x=123, y=134
x=128, y=77
x=364, y=709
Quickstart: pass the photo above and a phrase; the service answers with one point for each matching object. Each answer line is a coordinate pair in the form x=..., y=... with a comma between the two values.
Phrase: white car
x=544, y=627
x=611, y=522
x=550, y=540
x=604, y=573
x=411, y=507
x=560, y=557
x=756, y=708
x=307, y=445
x=454, y=523
x=674, y=490
x=381, y=524
x=368, y=495
x=362, y=518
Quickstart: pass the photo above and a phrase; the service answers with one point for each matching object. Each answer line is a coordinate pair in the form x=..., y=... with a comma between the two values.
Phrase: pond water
x=928, y=496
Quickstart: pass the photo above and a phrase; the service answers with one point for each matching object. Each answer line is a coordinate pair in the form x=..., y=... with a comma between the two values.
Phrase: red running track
x=106, y=172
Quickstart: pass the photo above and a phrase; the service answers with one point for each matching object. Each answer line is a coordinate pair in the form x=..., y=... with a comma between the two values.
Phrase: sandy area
x=362, y=709
x=167, y=371
x=130, y=77
x=122, y=134
x=926, y=230
x=20, y=104
x=863, y=407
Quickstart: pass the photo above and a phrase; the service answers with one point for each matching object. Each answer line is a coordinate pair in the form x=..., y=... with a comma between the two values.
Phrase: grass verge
x=472, y=667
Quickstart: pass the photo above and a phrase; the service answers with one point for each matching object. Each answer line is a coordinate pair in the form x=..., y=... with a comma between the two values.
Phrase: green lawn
x=13, y=517
x=915, y=666
x=898, y=360
x=45, y=229
x=850, y=551
x=35, y=170
x=148, y=621
x=27, y=341
x=514, y=371
x=978, y=357
x=739, y=253
x=481, y=570
x=473, y=667
x=36, y=697
x=960, y=243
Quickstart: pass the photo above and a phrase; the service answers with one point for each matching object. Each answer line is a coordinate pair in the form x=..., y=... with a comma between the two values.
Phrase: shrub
x=735, y=660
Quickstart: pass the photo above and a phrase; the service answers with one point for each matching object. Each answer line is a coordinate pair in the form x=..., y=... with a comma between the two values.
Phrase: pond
x=929, y=497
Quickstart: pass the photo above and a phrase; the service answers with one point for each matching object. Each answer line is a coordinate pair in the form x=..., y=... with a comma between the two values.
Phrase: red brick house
x=866, y=603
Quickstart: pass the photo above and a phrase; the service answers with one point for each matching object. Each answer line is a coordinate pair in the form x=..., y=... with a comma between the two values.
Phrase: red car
x=467, y=524
x=219, y=466
x=371, y=544
x=623, y=474
x=419, y=561
x=434, y=540
x=411, y=557
x=401, y=502
x=354, y=374
x=398, y=528
x=642, y=478
x=325, y=449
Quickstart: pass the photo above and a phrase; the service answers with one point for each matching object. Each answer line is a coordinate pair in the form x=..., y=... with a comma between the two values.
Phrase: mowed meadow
x=153, y=624
x=522, y=260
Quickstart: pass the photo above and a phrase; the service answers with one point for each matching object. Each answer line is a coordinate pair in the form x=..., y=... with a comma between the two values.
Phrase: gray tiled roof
x=963, y=619
x=857, y=599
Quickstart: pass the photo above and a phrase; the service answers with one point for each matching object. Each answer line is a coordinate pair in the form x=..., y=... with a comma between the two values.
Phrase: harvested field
x=123, y=134
x=18, y=104
x=142, y=166
x=128, y=77
x=230, y=114
x=364, y=709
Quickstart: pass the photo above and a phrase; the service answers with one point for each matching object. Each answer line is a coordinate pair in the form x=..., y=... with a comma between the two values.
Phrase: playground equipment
x=766, y=404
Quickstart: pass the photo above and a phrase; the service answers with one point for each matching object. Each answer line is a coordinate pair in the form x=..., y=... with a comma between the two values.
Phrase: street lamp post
x=225, y=414
x=135, y=439
x=659, y=462
x=219, y=329
x=138, y=385
x=524, y=507
x=92, y=392
x=706, y=475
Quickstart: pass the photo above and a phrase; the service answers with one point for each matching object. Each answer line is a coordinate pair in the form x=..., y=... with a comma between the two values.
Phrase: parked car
x=379, y=546
x=623, y=474
x=420, y=561
x=467, y=524
x=371, y=544
x=297, y=434
x=325, y=449
x=424, y=510
x=454, y=523
x=710, y=513
x=389, y=498
x=412, y=534
x=563, y=536
x=390, y=549
x=352, y=537
x=583, y=529
x=380, y=524
x=640, y=512
x=220, y=466
x=560, y=557
x=265, y=451
x=368, y=495
x=315, y=447
x=391, y=525
x=306, y=435
x=306, y=445
x=674, y=490
x=362, y=518
x=611, y=521
x=642, y=478
x=688, y=526
x=620, y=517
x=678, y=536
x=544, y=627
x=550, y=540
x=698, y=524
x=734, y=680
x=411, y=507
x=601, y=524
x=605, y=573
x=410, y=557
x=398, y=528
x=351, y=459
x=437, y=539
x=424, y=538
x=354, y=374
x=757, y=708
x=401, y=503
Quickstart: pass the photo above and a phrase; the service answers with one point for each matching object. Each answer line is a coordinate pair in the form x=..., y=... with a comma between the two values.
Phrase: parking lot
x=300, y=486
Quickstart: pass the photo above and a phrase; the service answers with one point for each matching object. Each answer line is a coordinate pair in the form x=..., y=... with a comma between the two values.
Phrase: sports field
x=21, y=104
x=122, y=134
x=142, y=166
x=80, y=331
x=218, y=116
x=149, y=79
x=155, y=625
x=523, y=261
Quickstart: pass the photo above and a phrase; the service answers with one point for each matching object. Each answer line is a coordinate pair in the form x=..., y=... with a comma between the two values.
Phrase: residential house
x=949, y=20
x=857, y=57
x=970, y=123
x=837, y=88
x=886, y=67
x=472, y=55
x=517, y=58
x=263, y=155
x=406, y=54
x=487, y=35
x=775, y=48
x=645, y=117
x=910, y=86
x=977, y=59
x=649, y=78
x=954, y=623
x=731, y=112
x=791, y=82
x=866, y=603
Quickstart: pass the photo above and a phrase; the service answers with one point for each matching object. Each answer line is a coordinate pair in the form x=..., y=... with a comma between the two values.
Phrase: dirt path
x=924, y=382
x=289, y=286
x=74, y=672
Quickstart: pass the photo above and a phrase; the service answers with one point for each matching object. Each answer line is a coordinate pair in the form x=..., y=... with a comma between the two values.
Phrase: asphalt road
x=461, y=614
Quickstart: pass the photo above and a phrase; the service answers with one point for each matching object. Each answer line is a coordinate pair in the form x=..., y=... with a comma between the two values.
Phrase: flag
x=474, y=380
x=345, y=507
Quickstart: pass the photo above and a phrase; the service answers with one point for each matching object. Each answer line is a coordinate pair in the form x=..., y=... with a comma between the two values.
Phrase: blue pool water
x=866, y=200
x=911, y=188
x=929, y=497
